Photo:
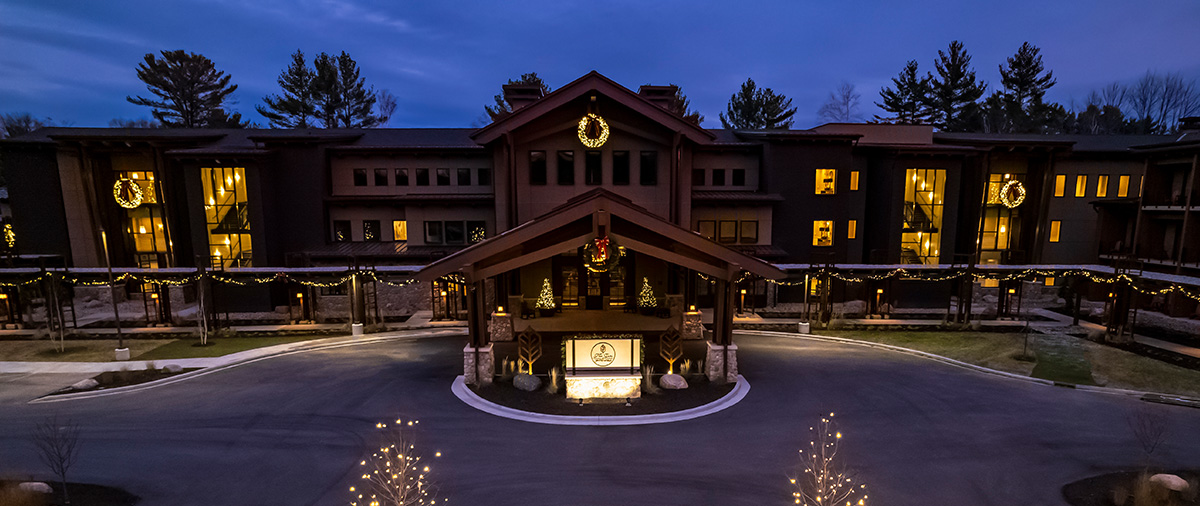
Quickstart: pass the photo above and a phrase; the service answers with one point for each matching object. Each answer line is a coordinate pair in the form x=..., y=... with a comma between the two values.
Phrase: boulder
x=36, y=487
x=86, y=384
x=527, y=382
x=672, y=382
x=1169, y=482
x=172, y=368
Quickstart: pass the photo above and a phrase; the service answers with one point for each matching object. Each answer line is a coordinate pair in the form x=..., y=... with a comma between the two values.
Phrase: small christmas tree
x=646, y=298
x=546, y=299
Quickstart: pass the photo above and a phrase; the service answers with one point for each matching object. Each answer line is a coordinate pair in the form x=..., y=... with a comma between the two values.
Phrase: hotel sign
x=603, y=353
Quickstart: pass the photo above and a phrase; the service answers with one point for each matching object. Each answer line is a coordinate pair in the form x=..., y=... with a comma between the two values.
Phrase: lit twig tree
x=823, y=478
x=546, y=298
x=395, y=475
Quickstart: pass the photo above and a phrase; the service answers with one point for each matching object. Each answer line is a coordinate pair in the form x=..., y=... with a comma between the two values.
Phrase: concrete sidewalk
x=1065, y=321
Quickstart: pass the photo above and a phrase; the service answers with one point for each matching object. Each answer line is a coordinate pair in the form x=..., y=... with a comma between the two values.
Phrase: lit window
x=924, y=208
x=826, y=179
x=822, y=233
x=749, y=232
x=1060, y=185
x=399, y=230
x=1049, y=281
x=1102, y=185
x=1123, y=186
x=727, y=231
x=1081, y=185
x=852, y=229
x=1055, y=227
x=854, y=180
x=371, y=230
x=227, y=215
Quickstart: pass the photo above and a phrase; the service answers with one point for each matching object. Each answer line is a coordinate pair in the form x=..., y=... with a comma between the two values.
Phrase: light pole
x=122, y=353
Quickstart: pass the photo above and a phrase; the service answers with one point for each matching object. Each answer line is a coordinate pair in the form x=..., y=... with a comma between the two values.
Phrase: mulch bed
x=698, y=393
x=82, y=494
x=114, y=379
x=1098, y=490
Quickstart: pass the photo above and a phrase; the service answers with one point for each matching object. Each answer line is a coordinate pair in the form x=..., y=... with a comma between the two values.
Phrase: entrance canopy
x=597, y=213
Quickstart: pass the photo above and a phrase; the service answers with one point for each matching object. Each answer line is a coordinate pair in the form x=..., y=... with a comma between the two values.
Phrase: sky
x=74, y=61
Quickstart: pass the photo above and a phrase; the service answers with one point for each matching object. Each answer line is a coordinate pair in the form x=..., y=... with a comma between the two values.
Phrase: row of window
x=823, y=232
x=371, y=230
x=737, y=177
x=1060, y=185
x=436, y=232
x=593, y=168
x=827, y=181
x=729, y=231
x=483, y=177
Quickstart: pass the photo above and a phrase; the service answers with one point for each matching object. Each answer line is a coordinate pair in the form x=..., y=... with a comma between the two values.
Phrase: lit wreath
x=127, y=193
x=1012, y=194
x=602, y=254
x=586, y=131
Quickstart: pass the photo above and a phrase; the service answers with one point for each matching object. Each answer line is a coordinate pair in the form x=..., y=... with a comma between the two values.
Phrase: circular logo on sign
x=603, y=354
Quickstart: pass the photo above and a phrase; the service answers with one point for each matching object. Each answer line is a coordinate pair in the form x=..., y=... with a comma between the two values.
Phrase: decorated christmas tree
x=546, y=299
x=646, y=297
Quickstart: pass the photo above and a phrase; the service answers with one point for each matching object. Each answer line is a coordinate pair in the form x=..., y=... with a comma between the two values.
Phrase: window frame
x=403, y=228
x=852, y=229
x=698, y=181
x=433, y=233
x=538, y=175
x=1060, y=185
x=825, y=182
x=718, y=177
x=565, y=167
x=401, y=177
x=462, y=229
x=1055, y=230
x=648, y=173
x=854, y=180
x=743, y=226
x=1081, y=185
x=732, y=238
x=483, y=177
x=1102, y=186
x=737, y=177
x=817, y=224
x=1123, y=185
x=339, y=224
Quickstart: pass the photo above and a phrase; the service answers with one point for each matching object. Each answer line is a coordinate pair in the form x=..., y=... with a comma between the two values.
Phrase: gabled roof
x=592, y=81
x=575, y=222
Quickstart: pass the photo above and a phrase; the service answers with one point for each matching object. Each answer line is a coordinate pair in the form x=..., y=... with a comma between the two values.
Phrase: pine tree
x=502, y=107
x=188, y=86
x=296, y=107
x=954, y=90
x=546, y=298
x=340, y=96
x=646, y=297
x=752, y=108
x=1025, y=85
x=909, y=101
x=681, y=106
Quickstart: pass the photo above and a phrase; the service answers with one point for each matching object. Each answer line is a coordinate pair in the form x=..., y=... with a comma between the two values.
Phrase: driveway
x=290, y=431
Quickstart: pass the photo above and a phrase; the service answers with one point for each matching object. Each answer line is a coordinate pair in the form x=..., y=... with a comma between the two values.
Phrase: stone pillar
x=692, y=326
x=500, y=327
x=721, y=363
x=478, y=364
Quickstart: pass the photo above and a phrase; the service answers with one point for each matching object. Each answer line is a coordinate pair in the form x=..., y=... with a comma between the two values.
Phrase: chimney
x=662, y=96
x=521, y=95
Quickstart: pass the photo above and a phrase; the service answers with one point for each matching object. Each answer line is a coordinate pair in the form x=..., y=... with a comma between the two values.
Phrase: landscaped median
x=101, y=350
x=1056, y=358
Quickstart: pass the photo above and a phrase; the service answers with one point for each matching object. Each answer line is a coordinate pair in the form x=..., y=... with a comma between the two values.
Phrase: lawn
x=1065, y=359
x=101, y=350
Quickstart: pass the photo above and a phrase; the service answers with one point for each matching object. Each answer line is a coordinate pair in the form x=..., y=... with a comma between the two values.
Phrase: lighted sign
x=593, y=131
x=603, y=353
x=127, y=193
x=1012, y=194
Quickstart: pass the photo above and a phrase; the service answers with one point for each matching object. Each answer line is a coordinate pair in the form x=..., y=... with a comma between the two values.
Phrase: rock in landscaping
x=527, y=382
x=672, y=382
x=172, y=368
x=86, y=384
x=1169, y=482
x=36, y=487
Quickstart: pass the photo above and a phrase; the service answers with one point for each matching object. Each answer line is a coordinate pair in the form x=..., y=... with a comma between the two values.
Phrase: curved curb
x=238, y=363
x=964, y=365
x=459, y=387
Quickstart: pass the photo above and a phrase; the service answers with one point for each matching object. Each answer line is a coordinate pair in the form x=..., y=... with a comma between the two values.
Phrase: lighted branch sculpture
x=529, y=348
x=395, y=475
x=670, y=347
x=823, y=478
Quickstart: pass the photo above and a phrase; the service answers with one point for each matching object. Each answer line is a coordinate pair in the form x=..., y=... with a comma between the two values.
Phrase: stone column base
x=714, y=363
x=692, y=327
x=500, y=327
x=487, y=367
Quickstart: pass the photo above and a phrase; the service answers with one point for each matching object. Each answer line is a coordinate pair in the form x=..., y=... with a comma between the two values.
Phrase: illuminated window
x=341, y=231
x=707, y=229
x=1055, y=227
x=852, y=229
x=1049, y=282
x=1123, y=186
x=227, y=215
x=399, y=230
x=371, y=230
x=616, y=286
x=748, y=232
x=1081, y=185
x=854, y=180
x=822, y=233
x=1102, y=185
x=727, y=231
x=145, y=234
x=1060, y=185
x=920, y=237
x=826, y=181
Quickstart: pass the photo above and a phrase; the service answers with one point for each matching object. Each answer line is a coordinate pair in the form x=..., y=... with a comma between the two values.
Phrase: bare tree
x=395, y=474
x=823, y=478
x=58, y=447
x=1160, y=100
x=385, y=106
x=842, y=105
x=1150, y=429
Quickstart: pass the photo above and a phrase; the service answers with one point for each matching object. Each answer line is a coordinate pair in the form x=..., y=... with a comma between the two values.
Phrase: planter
x=545, y=312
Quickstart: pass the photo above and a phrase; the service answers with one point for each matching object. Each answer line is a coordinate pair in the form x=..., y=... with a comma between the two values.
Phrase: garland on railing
x=218, y=276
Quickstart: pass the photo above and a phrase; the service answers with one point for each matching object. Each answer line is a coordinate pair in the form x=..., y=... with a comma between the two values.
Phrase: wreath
x=1012, y=194
x=127, y=193
x=593, y=131
x=602, y=254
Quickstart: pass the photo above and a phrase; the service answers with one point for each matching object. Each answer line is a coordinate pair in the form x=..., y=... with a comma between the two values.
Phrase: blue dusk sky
x=74, y=60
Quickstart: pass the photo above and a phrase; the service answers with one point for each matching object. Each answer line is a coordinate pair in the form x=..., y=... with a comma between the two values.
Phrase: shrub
x=555, y=377
x=648, y=386
x=508, y=370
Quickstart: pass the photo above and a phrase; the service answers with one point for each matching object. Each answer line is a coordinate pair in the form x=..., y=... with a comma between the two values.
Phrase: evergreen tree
x=681, y=107
x=358, y=100
x=909, y=101
x=1025, y=82
x=221, y=119
x=954, y=90
x=327, y=98
x=296, y=107
x=752, y=108
x=546, y=298
x=646, y=296
x=502, y=107
x=188, y=86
